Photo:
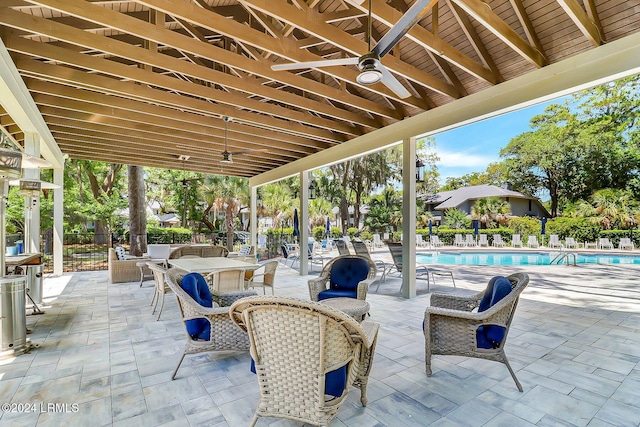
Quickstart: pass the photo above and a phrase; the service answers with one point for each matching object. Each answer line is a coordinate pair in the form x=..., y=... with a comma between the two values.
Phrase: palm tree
x=232, y=197
x=490, y=211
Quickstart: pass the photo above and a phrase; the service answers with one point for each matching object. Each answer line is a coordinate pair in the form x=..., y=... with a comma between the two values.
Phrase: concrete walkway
x=574, y=344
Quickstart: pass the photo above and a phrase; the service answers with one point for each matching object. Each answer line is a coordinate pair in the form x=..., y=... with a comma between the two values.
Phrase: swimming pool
x=519, y=258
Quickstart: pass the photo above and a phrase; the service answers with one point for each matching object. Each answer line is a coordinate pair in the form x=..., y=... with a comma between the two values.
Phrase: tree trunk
x=102, y=234
x=137, y=212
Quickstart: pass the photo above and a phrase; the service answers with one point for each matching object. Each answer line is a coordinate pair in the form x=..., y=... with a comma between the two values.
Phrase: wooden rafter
x=578, y=15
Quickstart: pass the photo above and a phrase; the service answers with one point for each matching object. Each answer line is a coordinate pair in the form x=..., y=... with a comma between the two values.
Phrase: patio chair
x=497, y=241
x=626, y=243
x=459, y=241
x=435, y=241
x=342, y=247
x=532, y=242
x=289, y=256
x=161, y=287
x=205, y=315
x=570, y=243
x=516, y=241
x=377, y=242
x=362, y=250
x=226, y=280
x=306, y=356
x=420, y=242
x=554, y=241
x=345, y=276
x=421, y=270
x=604, y=243
x=482, y=240
x=452, y=328
x=268, y=277
x=470, y=240
x=219, y=251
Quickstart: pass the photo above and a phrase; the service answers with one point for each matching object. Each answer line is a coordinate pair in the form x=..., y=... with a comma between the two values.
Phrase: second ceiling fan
x=371, y=69
x=226, y=154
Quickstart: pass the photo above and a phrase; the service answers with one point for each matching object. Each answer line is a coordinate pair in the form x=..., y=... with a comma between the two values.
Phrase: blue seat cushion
x=337, y=293
x=334, y=382
x=346, y=273
x=491, y=336
x=196, y=286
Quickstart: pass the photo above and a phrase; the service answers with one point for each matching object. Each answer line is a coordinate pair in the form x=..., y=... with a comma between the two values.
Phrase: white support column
x=254, y=217
x=32, y=203
x=304, y=222
x=409, y=218
x=58, y=219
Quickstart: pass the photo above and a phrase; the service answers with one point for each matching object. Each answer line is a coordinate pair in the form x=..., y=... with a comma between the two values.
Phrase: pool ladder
x=562, y=256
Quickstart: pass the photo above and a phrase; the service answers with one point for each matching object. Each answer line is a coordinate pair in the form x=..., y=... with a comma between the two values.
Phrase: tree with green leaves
x=455, y=218
x=491, y=211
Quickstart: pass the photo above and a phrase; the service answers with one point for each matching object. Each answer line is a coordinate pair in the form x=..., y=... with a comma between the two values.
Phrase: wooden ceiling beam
x=133, y=53
x=579, y=17
x=343, y=15
x=527, y=26
x=185, y=43
x=492, y=22
x=312, y=22
x=181, y=121
x=154, y=79
x=285, y=48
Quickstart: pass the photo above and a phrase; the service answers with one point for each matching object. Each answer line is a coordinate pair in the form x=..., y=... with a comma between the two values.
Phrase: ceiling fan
x=226, y=154
x=371, y=69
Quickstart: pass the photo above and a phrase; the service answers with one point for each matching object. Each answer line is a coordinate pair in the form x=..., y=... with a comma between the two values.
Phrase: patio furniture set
x=307, y=354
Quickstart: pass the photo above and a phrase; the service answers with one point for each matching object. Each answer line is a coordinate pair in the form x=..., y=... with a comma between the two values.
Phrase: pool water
x=519, y=258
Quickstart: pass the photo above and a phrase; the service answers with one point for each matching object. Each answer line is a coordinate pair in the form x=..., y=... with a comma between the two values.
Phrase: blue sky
x=471, y=148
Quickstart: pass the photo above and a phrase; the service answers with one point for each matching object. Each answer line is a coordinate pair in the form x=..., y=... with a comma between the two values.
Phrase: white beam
x=304, y=223
x=58, y=219
x=409, y=218
x=18, y=103
x=605, y=63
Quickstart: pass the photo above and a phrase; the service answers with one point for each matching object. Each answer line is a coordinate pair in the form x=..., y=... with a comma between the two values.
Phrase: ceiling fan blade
x=402, y=27
x=390, y=81
x=315, y=64
x=257, y=150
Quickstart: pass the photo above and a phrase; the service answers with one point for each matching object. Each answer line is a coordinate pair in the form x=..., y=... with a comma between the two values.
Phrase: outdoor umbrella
x=430, y=228
x=328, y=231
x=296, y=223
x=475, y=226
x=544, y=226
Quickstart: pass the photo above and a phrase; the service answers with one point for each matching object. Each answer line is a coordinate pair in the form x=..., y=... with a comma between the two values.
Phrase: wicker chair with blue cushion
x=345, y=276
x=205, y=315
x=306, y=356
x=453, y=327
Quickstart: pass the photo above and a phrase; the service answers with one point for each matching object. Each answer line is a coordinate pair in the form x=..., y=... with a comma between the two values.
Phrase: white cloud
x=465, y=159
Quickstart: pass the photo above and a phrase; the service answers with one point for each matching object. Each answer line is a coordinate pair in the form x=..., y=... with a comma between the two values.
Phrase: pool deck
x=574, y=344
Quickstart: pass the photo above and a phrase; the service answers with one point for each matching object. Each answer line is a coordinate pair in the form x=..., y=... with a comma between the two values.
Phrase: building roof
x=454, y=198
x=145, y=82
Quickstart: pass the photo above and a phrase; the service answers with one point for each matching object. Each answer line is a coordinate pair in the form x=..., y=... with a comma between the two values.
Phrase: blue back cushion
x=196, y=286
x=490, y=336
x=346, y=273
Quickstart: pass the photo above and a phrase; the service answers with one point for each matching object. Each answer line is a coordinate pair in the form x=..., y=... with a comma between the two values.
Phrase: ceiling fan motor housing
x=368, y=65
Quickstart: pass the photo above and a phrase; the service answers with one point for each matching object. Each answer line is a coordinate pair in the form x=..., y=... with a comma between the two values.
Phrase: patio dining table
x=210, y=266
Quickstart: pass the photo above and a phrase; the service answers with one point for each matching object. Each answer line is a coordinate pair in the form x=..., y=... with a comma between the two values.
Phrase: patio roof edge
x=608, y=62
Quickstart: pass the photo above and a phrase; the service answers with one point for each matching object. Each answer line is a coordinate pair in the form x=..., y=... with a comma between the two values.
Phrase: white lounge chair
x=483, y=240
x=554, y=241
x=470, y=240
x=516, y=241
x=458, y=240
x=532, y=242
x=604, y=243
x=626, y=243
x=377, y=242
x=570, y=243
x=497, y=241
x=435, y=241
x=420, y=242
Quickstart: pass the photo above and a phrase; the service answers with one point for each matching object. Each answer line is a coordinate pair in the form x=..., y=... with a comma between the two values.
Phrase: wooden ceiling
x=144, y=82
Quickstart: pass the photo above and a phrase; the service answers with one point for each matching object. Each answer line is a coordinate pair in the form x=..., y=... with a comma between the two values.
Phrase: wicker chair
x=268, y=277
x=298, y=346
x=224, y=335
x=329, y=285
x=451, y=328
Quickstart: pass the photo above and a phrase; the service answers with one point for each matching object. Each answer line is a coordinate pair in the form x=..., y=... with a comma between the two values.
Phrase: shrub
x=366, y=235
x=352, y=232
x=166, y=235
x=319, y=232
x=336, y=232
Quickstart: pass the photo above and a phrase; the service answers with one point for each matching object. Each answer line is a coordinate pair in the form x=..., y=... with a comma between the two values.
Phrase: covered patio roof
x=144, y=82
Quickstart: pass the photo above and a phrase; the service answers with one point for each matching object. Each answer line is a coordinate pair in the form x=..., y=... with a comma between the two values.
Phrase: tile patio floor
x=574, y=344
